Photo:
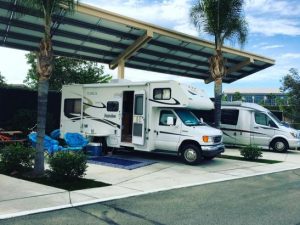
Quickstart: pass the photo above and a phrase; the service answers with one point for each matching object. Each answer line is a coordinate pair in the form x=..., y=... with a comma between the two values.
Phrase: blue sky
x=274, y=32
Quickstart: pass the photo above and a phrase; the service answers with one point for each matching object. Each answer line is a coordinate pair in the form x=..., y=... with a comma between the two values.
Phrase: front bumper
x=212, y=150
x=294, y=144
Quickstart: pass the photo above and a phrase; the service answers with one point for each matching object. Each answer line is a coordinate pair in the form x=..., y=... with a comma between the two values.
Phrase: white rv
x=144, y=116
x=248, y=123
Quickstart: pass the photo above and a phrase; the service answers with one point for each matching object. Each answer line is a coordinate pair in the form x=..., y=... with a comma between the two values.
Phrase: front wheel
x=279, y=145
x=191, y=154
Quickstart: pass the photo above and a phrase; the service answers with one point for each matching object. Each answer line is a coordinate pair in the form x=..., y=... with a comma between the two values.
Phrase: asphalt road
x=269, y=199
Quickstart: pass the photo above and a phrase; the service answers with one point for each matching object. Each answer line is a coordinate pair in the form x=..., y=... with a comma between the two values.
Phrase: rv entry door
x=138, y=126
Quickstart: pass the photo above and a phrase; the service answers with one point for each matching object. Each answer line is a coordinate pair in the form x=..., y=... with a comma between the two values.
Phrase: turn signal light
x=205, y=138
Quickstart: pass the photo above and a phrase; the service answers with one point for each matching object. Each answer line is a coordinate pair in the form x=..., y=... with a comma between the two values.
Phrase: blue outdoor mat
x=128, y=164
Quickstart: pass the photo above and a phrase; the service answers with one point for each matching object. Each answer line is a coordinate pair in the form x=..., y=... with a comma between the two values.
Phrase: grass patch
x=69, y=185
x=73, y=185
x=268, y=161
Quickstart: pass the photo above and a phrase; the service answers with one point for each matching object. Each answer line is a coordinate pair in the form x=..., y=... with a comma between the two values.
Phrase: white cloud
x=291, y=56
x=172, y=14
x=277, y=7
x=272, y=46
x=269, y=17
x=270, y=26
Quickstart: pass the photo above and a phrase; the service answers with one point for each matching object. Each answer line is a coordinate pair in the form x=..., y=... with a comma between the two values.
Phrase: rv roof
x=120, y=82
x=98, y=35
x=245, y=105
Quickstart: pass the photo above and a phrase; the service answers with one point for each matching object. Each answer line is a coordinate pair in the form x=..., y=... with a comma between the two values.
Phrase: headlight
x=207, y=139
x=293, y=134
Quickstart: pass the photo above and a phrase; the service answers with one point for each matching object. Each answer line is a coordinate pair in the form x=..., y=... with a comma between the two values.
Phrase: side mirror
x=170, y=121
x=201, y=120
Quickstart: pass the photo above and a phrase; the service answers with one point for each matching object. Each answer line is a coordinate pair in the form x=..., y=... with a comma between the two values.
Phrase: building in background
x=262, y=96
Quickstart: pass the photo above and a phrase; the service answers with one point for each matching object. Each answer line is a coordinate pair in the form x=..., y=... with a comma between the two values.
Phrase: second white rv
x=249, y=123
x=144, y=116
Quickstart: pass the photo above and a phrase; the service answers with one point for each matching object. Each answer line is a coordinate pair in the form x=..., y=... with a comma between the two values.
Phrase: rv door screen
x=138, y=128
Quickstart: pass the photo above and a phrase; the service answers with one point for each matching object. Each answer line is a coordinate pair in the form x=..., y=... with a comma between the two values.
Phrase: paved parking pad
x=18, y=197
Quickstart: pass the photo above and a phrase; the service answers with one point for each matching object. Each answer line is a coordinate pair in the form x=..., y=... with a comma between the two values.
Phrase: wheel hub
x=279, y=146
x=190, y=155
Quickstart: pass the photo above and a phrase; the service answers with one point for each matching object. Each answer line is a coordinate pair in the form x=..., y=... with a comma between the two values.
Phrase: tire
x=279, y=145
x=191, y=154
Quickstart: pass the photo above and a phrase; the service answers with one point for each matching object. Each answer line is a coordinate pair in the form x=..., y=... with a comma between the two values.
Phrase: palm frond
x=223, y=19
x=44, y=8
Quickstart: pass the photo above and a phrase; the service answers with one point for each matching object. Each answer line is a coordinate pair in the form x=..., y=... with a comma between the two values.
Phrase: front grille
x=217, y=139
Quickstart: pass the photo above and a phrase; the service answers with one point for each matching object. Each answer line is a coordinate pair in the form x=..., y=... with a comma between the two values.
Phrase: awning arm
x=234, y=68
x=138, y=44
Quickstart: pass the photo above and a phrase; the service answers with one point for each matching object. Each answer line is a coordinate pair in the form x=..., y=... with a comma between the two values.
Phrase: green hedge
x=251, y=152
x=67, y=165
x=16, y=157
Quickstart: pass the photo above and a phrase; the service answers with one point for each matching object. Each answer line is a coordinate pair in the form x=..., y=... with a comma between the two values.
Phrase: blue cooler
x=94, y=149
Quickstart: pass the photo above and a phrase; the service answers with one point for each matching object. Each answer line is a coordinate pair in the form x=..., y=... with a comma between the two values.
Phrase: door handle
x=256, y=127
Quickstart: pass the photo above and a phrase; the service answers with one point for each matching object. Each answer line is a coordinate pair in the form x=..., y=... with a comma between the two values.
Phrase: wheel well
x=186, y=142
x=279, y=138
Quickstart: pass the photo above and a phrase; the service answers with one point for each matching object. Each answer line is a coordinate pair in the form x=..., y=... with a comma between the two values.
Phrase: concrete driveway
x=18, y=197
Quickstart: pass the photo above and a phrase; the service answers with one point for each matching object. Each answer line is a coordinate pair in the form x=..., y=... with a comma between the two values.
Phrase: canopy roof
x=98, y=35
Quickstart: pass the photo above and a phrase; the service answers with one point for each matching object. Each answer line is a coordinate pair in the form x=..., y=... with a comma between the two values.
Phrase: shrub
x=251, y=152
x=16, y=157
x=67, y=165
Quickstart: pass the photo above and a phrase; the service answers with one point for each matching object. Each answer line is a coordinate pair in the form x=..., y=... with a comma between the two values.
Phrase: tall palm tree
x=223, y=19
x=46, y=8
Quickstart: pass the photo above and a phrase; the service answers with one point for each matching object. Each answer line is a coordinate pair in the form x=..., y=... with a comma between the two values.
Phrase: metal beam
x=234, y=68
x=121, y=69
x=138, y=44
x=240, y=65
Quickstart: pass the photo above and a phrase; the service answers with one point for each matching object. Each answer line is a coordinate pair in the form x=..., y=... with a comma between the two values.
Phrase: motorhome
x=144, y=116
x=249, y=123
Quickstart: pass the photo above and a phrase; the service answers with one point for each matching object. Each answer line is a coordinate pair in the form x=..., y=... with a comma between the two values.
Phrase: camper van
x=143, y=116
x=248, y=123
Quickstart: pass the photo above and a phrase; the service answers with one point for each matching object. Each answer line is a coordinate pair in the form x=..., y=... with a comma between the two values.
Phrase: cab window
x=263, y=119
x=164, y=114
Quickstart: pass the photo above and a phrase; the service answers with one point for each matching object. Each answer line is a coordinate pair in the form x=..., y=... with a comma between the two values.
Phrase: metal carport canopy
x=102, y=36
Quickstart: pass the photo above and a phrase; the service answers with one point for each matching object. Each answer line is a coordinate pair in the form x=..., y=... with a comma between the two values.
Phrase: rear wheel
x=191, y=154
x=279, y=145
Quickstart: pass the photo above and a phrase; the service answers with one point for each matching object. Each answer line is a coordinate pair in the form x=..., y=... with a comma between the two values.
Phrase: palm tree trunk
x=41, y=126
x=218, y=97
x=218, y=71
x=44, y=68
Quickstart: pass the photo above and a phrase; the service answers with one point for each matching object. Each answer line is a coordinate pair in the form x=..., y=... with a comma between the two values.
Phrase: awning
x=102, y=36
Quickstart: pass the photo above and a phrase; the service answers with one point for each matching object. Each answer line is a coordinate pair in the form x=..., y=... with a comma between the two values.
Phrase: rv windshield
x=188, y=118
x=277, y=120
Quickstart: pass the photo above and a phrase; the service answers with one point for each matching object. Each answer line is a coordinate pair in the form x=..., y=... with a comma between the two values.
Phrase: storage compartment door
x=138, y=122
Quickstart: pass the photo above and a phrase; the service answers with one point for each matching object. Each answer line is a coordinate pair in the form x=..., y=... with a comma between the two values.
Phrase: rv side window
x=229, y=116
x=164, y=114
x=112, y=106
x=162, y=93
x=72, y=105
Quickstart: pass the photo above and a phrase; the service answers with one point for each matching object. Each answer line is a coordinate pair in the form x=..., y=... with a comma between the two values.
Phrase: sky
x=274, y=32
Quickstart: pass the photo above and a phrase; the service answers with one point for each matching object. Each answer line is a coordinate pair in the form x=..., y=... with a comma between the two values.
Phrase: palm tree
x=46, y=8
x=223, y=19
